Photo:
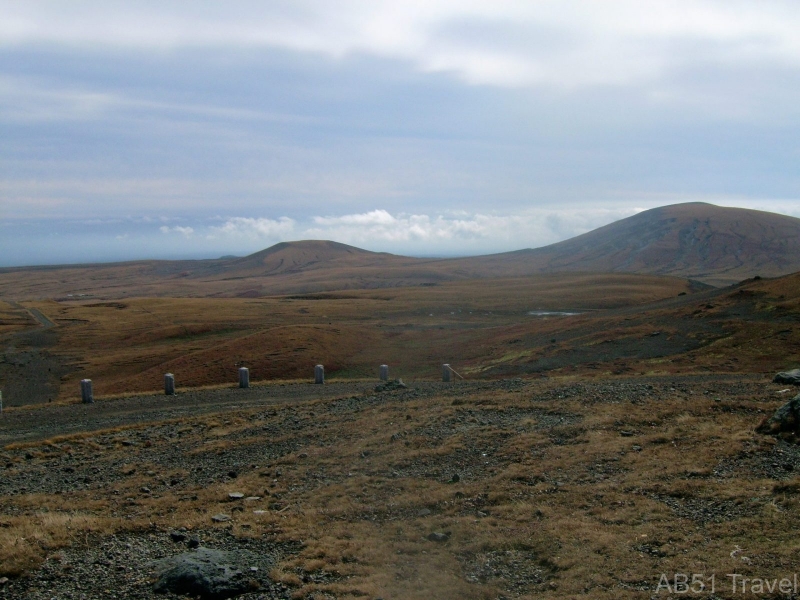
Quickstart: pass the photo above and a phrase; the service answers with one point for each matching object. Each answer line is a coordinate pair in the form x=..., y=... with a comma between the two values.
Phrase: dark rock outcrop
x=788, y=377
x=785, y=422
x=203, y=572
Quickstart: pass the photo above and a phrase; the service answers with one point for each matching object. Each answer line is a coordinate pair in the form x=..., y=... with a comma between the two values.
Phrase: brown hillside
x=715, y=245
x=712, y=244
x=291, y=257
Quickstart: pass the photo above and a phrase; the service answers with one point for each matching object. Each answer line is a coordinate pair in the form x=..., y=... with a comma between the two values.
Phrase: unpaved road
x=45, y=421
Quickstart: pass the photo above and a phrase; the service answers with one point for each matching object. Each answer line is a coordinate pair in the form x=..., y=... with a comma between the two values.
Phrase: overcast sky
x=174, y=129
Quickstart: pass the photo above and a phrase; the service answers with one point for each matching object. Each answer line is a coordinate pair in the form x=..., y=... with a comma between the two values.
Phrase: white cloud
x=460, y=232
x=506, y=43
x=186, y=231
x=260, y=228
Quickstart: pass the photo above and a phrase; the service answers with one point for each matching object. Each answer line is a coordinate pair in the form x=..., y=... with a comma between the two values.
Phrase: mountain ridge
x=702, y=242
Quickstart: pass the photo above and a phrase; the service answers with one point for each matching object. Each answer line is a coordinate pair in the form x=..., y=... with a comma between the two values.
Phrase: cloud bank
x=504, y=43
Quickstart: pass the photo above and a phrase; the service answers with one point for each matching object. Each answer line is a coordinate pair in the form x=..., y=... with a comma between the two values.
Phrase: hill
x=716, y=245
x=710, y=244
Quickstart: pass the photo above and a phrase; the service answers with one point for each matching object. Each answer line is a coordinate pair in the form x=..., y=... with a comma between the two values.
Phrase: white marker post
x=169, y=384
x=445, y=372
x=384, y=373
x=244, y=377
x=319, y=374
x=86, y=391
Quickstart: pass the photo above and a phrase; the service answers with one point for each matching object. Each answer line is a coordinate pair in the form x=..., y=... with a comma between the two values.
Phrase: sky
x=196, y=129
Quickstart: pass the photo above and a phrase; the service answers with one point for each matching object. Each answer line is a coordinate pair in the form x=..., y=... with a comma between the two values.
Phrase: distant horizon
x=199, y=256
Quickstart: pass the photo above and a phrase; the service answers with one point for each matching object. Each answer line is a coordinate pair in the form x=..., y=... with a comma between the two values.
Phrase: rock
x=177, y=536
x=395, y=384
x=785, y=420
x=3, y=580
x=145, y=490
x=221, y=518
x=455, y=478
x=235, y=496
x=438, y=536
x=193, y=542
x=424, y=512
x=204, y=572
x=788, y=377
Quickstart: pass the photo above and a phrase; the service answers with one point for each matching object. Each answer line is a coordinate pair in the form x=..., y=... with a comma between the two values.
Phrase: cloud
x=186, y=231
x=255, y=228
x=503, y=43
x=461, y=232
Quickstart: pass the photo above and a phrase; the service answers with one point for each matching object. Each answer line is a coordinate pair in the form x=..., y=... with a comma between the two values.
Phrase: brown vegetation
x=716, y=245
x=541, y=489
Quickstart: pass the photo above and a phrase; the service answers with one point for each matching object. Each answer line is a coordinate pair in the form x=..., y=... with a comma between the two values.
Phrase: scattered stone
x=788, y=377
x=235, y=496
x=193, y=542
x=424, y=512
x=203, y=572
x=302, y=455
x=144, y=490
x=177, y=536
x=437, y=536
x=395, y=384
x=455, y=478
x=625, y=433
x=3, y=580
x=221, y=518
x=252, y=498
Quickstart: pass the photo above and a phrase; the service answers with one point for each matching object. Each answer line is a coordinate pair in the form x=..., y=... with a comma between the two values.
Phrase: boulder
x=786, y=419
x=203, y=573
x=788, y=377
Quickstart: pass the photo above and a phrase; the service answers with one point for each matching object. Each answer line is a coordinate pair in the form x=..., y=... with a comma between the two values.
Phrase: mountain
x=293, y=257
x=712, y=244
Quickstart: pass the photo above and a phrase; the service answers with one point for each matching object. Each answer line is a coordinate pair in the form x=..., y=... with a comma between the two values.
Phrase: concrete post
x=244, y=377
x=446, y=372
x=169, y=384
x=319, y=374
x=384, y=372
x=86, y=391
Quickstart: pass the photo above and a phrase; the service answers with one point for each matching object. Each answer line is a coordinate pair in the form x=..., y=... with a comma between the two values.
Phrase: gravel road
x=40, y=422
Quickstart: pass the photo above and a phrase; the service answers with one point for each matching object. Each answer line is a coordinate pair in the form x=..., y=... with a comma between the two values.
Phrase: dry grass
x=483, y=328
x=127, y=345
x=599, y=501
x=13, y=319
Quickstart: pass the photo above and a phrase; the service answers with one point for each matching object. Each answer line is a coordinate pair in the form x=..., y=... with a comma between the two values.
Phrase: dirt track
x=42, y=422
